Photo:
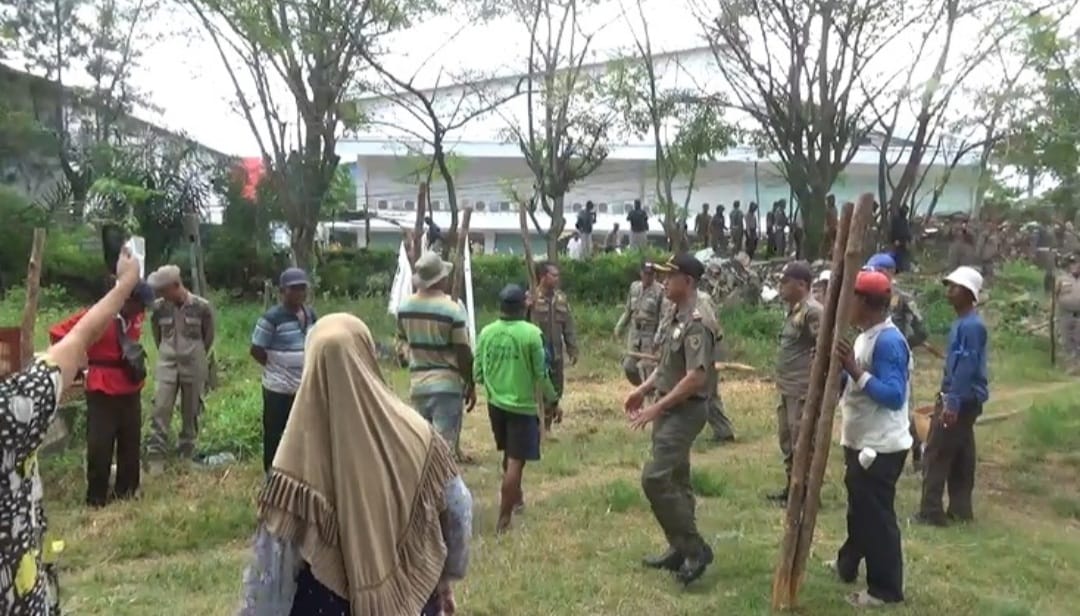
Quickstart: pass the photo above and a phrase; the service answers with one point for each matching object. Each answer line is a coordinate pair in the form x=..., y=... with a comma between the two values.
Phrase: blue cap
x=143, y=292
x=882, y=260
x=293, y=277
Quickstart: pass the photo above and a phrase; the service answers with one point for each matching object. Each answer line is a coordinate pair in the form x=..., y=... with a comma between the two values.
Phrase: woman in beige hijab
x=364, y=512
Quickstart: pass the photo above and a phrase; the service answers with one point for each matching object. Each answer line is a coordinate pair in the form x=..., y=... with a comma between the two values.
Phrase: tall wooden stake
x=418, y=226
x=530, y=267
x=33, y=290
x=815, y=435
x=457, y=287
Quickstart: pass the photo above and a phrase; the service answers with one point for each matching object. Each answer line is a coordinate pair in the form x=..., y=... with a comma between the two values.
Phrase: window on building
x=618, y=208
x=381, y=204
x=480, y=206
x=576, y=207
x=504, y=206
x=436, y=205
x=601, y=207
x=410, y=206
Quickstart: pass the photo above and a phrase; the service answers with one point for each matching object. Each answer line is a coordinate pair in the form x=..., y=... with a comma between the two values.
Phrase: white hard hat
x=823, y=276
x=967, y=277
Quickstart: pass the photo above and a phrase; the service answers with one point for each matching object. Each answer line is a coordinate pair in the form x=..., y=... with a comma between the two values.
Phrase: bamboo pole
x=33, y=291
x=801, y=458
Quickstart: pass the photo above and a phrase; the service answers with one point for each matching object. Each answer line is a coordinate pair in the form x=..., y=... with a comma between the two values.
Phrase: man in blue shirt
x=949, y=460
x=876, y=438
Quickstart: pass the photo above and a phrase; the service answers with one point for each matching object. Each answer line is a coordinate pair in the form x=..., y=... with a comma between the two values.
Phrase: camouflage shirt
x=907, y=318
x=798, y=341
x=642, y=313
x=688, y=343
x=551, y=313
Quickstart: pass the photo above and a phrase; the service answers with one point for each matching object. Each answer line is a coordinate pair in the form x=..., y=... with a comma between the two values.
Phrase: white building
x=385, y=160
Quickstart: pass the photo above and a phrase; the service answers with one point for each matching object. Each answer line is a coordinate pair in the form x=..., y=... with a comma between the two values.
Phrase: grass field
x=181, y=549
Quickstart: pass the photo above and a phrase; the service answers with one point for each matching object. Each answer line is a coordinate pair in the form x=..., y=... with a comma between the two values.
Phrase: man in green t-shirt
x=510, y=365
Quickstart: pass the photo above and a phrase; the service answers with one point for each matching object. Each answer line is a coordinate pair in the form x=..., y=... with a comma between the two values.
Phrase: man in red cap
x=876, y=438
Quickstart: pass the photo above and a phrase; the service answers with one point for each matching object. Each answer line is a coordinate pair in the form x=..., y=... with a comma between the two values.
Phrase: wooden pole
x=815, y=436
x=530, y=267
x=801, y=455
x=418, y=225
x=33, y=290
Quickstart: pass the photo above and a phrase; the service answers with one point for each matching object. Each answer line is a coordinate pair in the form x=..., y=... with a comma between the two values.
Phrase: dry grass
x=181, y=549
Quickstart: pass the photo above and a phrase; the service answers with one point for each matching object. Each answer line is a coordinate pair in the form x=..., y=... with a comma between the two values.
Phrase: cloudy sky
x=187, y=81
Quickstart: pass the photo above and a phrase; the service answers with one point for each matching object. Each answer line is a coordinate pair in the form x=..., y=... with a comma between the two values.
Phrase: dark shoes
x=716, y=441
x=686, y=570
x=692, y=568
x=668, y=561
x=927, y=520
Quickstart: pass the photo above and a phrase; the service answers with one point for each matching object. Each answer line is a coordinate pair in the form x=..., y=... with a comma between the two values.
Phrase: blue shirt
x=282, y=334
x=964, y=381
x=887, y=380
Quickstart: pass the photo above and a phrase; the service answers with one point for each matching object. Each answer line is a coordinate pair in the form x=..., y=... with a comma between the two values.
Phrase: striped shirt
x=433, y=326
x=282, y=334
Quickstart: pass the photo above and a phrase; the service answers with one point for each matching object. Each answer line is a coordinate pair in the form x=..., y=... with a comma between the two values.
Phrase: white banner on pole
x=469, y=302
x=401, y=289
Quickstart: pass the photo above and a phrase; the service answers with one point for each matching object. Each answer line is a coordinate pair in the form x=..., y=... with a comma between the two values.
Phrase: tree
x=685, y=132
x=439, y=111
x=101, y=41
x=299, y=61
x=999, y=19
x=802, y=70
x=1047, y=138
x=564, y=135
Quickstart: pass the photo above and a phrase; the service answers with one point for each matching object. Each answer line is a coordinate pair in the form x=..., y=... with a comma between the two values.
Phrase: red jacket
x=101, y=376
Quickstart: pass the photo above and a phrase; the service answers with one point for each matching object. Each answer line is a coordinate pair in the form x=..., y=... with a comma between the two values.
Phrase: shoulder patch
x=694, y=341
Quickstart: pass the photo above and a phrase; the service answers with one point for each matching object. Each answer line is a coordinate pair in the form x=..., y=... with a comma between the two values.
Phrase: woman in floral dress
x=28, y=402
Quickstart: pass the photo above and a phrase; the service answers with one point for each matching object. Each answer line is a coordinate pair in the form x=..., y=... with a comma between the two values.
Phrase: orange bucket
x=922, y=417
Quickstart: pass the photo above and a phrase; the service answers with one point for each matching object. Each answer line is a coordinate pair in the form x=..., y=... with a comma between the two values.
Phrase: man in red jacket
x=113, y=401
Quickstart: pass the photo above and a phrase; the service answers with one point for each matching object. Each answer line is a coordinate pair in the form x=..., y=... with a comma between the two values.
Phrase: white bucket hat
x=967, y=277
x=823, y=276
x=429, y=270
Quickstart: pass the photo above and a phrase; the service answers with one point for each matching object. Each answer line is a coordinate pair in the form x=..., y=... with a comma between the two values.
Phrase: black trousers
x=873, y=533
x=949, y=461
x=276, y=409
x=113, y=424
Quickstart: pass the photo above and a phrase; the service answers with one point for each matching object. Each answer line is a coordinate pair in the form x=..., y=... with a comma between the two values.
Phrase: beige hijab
x=359, y=477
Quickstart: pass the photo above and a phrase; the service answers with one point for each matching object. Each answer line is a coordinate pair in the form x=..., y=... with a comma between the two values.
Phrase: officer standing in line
x=683, y=381
x=642, y=314
x=1068, y=314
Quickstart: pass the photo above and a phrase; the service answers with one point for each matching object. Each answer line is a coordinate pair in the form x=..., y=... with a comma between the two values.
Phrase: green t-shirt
x=510, y=364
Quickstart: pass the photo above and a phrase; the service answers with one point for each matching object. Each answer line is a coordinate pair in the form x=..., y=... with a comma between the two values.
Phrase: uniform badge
x=694, y=342
x=677, y=332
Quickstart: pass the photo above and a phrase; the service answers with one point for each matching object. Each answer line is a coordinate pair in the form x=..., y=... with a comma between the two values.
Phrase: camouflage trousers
x=638, y=369
x=665, y=479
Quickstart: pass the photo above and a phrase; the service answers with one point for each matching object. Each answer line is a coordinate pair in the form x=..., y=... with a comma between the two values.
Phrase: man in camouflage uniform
x=683, y=382
x=736, y=226
x=906, y=317
x=551, y=313
x=642, y=314
x=183, y=329
x=722, y=431
x=988, y=249
x=798, y=341
x=717, y=231
x=1043, y=241
x=1067, y=289
x=701, y=226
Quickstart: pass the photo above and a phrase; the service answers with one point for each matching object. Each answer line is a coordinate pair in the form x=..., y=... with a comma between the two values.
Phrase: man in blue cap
x=906, y=317
x=278, y=345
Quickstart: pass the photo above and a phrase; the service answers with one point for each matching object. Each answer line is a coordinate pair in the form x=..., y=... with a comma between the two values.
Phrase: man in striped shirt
x=278, y=345
x=440, y=355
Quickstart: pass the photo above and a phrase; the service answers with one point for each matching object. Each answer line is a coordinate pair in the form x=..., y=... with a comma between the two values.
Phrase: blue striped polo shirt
x=283, y=334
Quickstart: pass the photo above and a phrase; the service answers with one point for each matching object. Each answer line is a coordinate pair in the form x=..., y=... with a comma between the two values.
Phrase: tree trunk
x=302, y=243
x=812, y=207
x=556, y=228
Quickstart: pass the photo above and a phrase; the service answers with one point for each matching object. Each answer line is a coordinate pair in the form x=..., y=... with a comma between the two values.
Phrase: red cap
x=872, y=283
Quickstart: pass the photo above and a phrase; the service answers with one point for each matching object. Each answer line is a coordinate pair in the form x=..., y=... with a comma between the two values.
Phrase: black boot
x=670, y=560
x=780, y=497
x=692, y=568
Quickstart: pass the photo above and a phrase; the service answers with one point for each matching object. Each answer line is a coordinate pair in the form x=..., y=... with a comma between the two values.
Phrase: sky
x=188, y=83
